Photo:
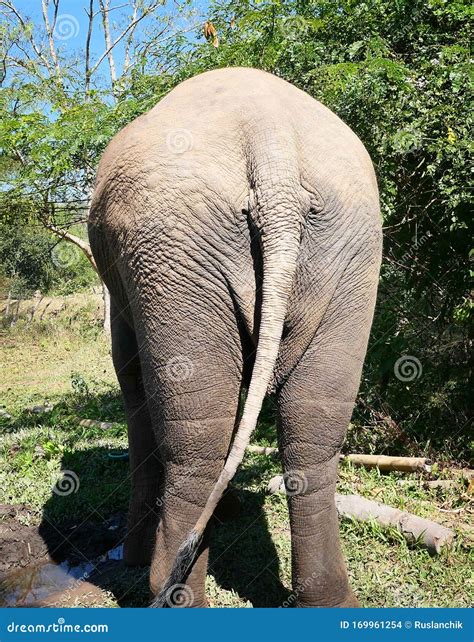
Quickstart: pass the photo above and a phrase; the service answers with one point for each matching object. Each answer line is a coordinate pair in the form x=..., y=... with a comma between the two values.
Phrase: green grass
x=250, y=556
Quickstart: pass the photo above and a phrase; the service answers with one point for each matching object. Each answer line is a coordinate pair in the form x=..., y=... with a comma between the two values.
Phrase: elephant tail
x=278, y=221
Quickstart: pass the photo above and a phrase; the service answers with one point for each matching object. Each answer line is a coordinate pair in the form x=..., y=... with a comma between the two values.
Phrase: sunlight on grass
x=250, y=560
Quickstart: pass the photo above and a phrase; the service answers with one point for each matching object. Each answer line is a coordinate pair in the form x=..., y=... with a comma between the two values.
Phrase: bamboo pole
x=387, y=463
x=382, y=462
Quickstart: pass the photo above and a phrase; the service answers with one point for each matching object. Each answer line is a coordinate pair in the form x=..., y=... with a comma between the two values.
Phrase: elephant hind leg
x=192, y=366
x=315, y=406
x=144, y=462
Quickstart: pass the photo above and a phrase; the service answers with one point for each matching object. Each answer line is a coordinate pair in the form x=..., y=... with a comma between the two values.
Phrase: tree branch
x=72, y=238
x=133, y=23
x=50, y=34
x=104, y=10
x=126, y=62
x=87, y=75
x=26, y=32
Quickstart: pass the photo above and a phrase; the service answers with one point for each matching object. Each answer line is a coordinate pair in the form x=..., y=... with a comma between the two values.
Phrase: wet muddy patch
x=67, y=565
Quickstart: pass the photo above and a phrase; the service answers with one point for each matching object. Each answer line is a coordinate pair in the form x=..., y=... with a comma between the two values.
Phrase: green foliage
x=397, y=72
x=33, y=259
x=25, y=260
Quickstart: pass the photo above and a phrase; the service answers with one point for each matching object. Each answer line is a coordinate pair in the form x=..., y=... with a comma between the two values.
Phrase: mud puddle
x=47, y=566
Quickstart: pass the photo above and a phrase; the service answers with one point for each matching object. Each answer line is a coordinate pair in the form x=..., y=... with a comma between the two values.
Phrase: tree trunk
x=86, y=248
x=9, y=301
x=38, y=297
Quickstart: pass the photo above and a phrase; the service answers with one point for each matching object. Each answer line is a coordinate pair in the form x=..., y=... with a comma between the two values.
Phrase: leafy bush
x=397, y=73
x=33, y=259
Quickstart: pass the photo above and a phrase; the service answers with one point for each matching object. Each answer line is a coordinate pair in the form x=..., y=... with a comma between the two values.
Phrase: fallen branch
x=432, y=535
x=262, y=450
x=442, y=483
x=382, y=462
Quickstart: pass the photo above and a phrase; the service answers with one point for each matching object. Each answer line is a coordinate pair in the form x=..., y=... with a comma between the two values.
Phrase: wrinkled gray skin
x=237, y=227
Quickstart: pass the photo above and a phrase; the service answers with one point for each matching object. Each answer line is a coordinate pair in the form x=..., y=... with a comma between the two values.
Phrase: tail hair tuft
x=183, y=562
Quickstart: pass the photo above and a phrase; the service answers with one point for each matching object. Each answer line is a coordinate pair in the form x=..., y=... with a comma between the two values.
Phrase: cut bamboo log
x=441, y=483
x=262, y=450
x=382, y=462
x=433, y=536
x=387, y=463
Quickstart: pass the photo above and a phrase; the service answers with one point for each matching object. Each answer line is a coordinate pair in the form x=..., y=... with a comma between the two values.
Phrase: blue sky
x=73, y=23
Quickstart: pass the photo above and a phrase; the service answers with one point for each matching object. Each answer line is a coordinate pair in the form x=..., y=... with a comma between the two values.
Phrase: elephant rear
x=237, y=223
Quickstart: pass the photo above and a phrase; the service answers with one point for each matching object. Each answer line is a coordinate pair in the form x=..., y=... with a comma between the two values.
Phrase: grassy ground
x=69, y=365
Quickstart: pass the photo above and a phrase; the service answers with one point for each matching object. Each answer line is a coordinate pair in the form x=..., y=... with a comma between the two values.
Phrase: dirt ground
x=49, y=566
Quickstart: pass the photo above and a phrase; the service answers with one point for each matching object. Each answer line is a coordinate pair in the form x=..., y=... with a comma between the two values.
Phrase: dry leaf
x=209, y=30
x=210, y=33
x=376, y=491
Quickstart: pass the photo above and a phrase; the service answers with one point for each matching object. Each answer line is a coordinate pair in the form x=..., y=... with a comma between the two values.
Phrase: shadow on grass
x=243, y=557
x=86, y=517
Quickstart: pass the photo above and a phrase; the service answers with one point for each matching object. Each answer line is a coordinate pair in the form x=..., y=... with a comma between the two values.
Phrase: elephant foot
x=349, y=602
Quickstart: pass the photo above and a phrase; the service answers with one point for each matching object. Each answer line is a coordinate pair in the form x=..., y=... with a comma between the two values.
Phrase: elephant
x=237, y=227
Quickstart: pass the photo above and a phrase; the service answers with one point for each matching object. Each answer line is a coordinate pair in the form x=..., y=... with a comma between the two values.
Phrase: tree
x=395, y=71
x=59, y=110
x=397, y=74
